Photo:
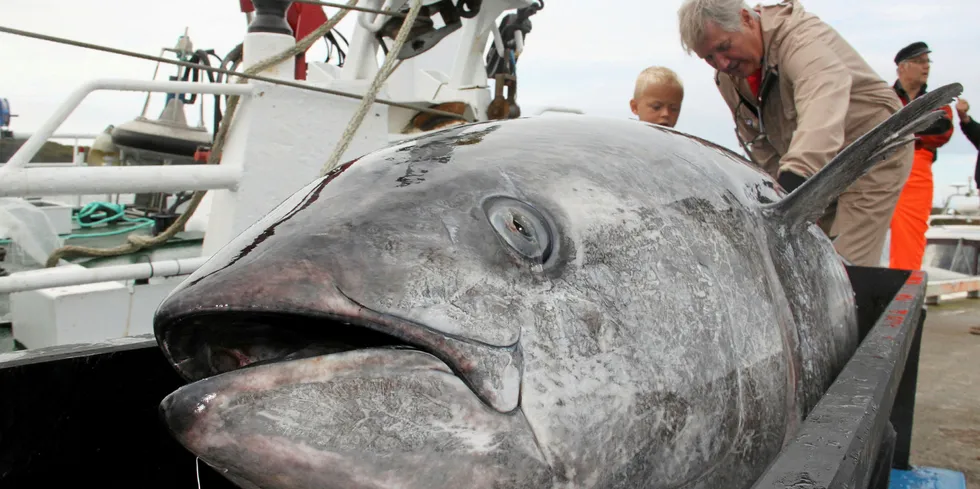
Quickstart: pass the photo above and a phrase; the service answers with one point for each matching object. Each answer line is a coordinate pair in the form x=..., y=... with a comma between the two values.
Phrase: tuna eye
x=522, y=228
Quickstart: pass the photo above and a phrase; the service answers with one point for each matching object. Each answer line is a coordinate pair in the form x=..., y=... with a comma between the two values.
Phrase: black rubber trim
x=153, y=142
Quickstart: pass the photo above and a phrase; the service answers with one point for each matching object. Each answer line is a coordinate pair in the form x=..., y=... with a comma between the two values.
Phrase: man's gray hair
x=693, y=15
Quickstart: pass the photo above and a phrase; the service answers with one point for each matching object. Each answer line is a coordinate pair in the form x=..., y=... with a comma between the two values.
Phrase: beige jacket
x=821, y=97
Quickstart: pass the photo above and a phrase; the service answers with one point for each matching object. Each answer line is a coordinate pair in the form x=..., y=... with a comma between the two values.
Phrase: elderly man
x=800, y=94
x=911, y=219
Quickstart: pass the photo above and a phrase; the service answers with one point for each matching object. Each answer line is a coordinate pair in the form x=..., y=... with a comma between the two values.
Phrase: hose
x=102, y=213
x=202, y=57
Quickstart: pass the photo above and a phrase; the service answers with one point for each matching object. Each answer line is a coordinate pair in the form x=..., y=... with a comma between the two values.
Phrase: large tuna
x=539, y=303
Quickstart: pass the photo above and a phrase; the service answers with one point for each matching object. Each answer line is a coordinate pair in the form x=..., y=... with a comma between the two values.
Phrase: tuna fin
x=809, y=200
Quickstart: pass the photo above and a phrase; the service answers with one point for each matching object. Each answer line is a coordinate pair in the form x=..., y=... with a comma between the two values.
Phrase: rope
x=227, y=73
x=118, y=213
x=90, y=210
x=372, y=92
x=137, y=242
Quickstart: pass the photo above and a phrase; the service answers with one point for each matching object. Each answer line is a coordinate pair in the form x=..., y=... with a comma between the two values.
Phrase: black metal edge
x=155, y=142
x=838, y=444
x=903, y=409
x=76, y=350
x=881, y=476
x=270, y=16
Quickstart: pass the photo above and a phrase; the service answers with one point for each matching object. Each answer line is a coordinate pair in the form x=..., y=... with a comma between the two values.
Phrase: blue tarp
x=926, y=478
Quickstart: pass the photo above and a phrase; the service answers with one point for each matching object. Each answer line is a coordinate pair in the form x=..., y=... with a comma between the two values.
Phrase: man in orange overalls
x=911, y=218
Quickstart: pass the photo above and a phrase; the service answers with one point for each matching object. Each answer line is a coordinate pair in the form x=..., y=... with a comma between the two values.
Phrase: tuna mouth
x=357, y=401
x=360, y=419
x=207, y=343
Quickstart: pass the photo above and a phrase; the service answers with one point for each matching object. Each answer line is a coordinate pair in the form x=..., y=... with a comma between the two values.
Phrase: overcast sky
x=579, y=54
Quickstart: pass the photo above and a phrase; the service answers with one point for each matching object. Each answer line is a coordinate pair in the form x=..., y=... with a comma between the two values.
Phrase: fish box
x=84, y=414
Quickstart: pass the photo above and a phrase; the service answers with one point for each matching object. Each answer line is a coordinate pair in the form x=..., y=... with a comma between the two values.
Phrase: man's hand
x=962, y=107
x=789, y=181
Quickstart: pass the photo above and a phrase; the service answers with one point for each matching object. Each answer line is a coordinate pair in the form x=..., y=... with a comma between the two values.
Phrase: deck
x=946, y=429
x=182, y=245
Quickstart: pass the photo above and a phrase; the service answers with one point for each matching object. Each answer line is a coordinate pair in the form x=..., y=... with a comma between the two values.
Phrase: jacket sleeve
x=972, y=131
x=939, y=133
x=822, y=92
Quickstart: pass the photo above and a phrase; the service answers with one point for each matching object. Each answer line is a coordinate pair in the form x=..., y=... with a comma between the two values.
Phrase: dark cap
x=911, y=51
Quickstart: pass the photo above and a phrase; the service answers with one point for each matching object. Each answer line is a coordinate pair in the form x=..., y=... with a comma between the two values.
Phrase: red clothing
x=755, y=82
x=911, y=218
x=755, y=79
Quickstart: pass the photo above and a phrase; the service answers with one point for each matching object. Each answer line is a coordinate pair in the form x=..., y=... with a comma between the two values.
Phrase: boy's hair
x=659, y=75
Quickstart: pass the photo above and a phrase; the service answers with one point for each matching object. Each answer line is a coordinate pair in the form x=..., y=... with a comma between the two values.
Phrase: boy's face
x=659, y=104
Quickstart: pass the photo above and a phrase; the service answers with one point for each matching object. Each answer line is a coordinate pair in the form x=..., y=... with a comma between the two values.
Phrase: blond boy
x=657, y=96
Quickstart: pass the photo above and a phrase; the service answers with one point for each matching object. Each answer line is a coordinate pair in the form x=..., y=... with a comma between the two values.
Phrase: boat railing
x=18, y=180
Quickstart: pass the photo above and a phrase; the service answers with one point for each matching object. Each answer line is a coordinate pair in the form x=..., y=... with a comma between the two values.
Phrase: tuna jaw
x=358, y=419
x=262, y=332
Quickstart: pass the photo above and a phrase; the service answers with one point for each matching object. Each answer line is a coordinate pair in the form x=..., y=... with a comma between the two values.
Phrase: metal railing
x=61, y=277
x=117, y=180
x=30, y=147
x=19, y=179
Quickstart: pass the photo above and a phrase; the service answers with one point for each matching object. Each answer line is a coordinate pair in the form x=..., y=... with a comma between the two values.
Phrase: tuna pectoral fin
x=808, y=201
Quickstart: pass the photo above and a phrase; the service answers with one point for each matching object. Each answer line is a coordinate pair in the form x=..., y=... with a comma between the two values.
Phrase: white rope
x=372, y=92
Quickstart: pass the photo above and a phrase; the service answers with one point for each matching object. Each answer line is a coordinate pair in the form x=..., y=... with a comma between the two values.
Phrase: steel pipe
x=43, y=133
x=65, y=276
x=117, y=180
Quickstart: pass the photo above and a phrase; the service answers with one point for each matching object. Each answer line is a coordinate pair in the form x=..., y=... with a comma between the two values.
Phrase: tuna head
x=556, y=301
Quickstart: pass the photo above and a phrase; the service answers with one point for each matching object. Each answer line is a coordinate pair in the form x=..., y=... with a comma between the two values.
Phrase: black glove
x=941, y=125
x=789, y=181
